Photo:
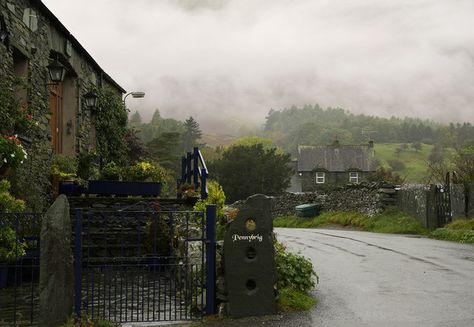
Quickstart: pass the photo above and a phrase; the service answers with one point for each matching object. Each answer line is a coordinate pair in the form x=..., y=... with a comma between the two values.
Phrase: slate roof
x=335, y=158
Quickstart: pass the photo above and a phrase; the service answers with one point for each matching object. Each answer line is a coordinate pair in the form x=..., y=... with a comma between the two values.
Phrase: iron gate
x=144, y=265
x=19, y=268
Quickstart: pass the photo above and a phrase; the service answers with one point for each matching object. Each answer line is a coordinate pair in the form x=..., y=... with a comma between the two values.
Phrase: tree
x=248, y=170
x=416, y=146
x=165, y=149
x=192, y=133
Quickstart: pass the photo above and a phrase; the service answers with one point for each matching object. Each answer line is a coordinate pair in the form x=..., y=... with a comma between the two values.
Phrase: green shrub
x=10, y=248
x=111, y=172
x=215, y=196
x=64, y=166
x=145, y=171
x=293, y=271
x=458, y=231
x=8, y=203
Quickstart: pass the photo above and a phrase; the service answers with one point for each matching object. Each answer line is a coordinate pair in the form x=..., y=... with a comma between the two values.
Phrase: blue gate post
x=78, y=262
x=188, y=168
x=203, y=183
x=210, y=259
x=196, y=168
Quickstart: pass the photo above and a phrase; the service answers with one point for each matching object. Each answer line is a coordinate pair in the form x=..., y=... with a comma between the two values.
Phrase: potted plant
x=64, y=175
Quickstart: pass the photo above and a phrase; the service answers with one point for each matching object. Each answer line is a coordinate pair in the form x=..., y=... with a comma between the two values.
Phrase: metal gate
x=141, y=266
x=443, y=202
x=19, y=268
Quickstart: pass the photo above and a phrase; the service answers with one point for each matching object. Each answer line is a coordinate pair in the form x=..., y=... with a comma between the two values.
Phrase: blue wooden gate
x=140, y=266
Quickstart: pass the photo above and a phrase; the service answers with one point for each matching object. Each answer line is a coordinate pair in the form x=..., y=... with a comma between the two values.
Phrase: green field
x=415, y=161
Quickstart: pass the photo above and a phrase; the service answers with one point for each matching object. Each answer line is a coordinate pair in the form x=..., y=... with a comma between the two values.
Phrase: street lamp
x=136, y=94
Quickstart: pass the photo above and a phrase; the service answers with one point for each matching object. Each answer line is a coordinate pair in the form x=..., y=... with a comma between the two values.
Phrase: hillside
x=414, y=161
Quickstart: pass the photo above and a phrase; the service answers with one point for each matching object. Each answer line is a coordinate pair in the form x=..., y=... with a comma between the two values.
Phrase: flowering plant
x=25, y=121
x=12, y=152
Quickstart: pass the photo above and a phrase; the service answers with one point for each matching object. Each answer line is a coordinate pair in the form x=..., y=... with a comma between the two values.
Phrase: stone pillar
x=470, y=201
x=431, y=213
x=250, y=272
x=56, y=284
x=458, y=201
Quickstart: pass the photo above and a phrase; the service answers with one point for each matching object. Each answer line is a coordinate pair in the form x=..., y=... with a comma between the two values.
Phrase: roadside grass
x=290, y=299
x=392, y=220
x=459, y=231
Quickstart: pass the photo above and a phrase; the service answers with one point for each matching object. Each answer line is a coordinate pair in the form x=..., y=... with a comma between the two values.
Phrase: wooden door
x=56, y=121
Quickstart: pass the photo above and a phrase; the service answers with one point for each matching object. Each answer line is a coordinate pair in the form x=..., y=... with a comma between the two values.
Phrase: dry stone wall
x=365, y=198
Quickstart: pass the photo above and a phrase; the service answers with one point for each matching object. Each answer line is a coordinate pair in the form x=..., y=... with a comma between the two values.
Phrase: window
x=30, y=19
x=353, y=177
x=320, y=178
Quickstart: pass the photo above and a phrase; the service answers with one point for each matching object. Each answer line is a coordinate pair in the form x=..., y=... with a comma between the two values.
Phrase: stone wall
x=365, y=198
x=307, y=180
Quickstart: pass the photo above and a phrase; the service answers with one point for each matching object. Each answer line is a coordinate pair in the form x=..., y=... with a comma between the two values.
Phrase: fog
x=232, y=61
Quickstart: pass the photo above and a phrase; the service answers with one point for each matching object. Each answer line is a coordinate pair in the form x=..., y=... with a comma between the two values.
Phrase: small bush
x=145, y=171
x=458, y=231
x=111, y=172
x=294, y=271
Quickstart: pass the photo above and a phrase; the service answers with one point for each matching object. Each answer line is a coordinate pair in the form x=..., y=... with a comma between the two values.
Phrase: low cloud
x=237, y=59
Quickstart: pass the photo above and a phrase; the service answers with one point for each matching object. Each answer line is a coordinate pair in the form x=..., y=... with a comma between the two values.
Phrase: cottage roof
x=335, y=158
x=57, y=23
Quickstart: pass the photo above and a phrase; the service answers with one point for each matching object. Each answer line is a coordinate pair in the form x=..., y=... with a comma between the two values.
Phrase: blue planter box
x=70, y=188
x=124, y=188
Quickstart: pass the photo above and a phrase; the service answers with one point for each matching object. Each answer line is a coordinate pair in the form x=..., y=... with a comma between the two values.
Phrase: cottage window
x=30, y=19
x=320, y=177
x=353, y=177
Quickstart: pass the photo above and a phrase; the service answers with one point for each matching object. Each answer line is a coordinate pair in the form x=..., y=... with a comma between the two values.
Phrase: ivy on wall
x=110, y=124
x=8, y=107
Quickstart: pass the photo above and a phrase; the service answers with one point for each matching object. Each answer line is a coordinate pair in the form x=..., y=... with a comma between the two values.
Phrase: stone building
x=32, y=43
x=335, y=164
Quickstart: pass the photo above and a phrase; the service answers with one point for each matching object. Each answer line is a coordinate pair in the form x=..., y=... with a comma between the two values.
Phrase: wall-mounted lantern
x=57, y=71
x=91, y=99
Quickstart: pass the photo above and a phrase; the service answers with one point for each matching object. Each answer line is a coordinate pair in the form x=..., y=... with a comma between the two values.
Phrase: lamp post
x=135, y=94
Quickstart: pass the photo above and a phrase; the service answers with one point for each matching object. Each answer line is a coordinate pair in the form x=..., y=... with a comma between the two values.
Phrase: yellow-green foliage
x=215, y=196
x=8, y=203
x=392, y=220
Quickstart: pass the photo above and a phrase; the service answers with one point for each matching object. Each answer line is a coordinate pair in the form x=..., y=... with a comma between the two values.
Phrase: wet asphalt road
x=369, y=279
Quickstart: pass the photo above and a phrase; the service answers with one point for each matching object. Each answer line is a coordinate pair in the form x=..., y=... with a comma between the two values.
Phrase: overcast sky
x=237, y=59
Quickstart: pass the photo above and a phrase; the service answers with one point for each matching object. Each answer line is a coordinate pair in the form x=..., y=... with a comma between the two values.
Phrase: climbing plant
x=8, y=107
x=110, y=123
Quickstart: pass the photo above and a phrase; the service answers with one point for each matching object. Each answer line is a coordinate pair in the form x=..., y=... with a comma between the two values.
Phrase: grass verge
x=392, y=220
x=459, y=231
x=290, y=299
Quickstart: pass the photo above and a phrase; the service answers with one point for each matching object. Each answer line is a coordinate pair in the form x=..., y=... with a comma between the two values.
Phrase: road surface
x=369, y=279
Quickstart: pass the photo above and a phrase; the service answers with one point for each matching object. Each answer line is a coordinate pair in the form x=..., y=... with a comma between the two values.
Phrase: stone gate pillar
x=249, y=260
